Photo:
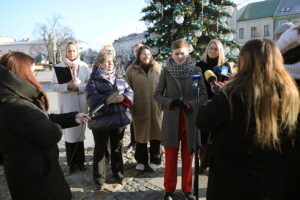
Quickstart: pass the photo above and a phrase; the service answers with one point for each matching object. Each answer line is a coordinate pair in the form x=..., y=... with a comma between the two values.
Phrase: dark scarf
x=180, y=71
x=212, y=62
x=145, y=68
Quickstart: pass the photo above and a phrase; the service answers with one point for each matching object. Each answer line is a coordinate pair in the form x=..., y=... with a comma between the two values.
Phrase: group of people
x=246, y=123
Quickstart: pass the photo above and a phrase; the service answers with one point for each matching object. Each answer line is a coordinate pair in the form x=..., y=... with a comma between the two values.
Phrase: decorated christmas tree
x=198, y=21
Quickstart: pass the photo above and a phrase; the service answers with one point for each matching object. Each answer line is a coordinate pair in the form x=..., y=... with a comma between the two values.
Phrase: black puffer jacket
x=28, y=141
x=114, y=115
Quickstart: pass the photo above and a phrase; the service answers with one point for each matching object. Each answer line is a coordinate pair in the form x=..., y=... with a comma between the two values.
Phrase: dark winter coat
x=114, y=115
x=239, y=168
x=28, y=141
x=170, y=88
x=211, y=63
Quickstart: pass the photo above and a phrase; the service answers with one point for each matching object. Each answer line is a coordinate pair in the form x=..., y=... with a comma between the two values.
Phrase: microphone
x=212, y=79
x=196, y=78
x=222, y=70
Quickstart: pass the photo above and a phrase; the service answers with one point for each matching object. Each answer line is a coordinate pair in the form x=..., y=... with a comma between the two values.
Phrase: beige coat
x=146, y=112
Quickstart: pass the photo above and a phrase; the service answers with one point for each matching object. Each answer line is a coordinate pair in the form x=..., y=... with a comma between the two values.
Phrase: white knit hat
x=280, y=29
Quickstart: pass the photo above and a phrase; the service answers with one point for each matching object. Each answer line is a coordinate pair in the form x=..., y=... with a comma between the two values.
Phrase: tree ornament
x=167, y=7
x=223, y=19
x=190, y=48
x=154, y=50
x=226, y=49
x=153, y=36
x=205, y=2
x=147, y=1
x=230, y=10
x=229, y=36
x=158, y=5
x=198, y=33
x=179, y=19
x=235, y=51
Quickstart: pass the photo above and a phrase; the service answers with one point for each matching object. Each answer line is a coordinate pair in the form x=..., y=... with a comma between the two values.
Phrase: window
x=253, y=32
x=241, y=33
x=266, y=30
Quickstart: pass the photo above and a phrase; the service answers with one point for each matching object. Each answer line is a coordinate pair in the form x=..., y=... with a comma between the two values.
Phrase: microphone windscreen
x=196, y=76
x=209, y=75
x=217, y=69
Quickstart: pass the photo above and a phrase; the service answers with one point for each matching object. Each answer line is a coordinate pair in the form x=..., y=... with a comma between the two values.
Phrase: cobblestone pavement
x=137, y=185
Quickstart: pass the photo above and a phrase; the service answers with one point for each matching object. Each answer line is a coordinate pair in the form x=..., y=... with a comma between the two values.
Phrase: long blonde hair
x=221, y=57
x=271, y=96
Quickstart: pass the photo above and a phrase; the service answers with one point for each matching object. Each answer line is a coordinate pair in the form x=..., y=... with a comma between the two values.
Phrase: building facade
x=124, y=46
x=260, y=19
x=257, y=21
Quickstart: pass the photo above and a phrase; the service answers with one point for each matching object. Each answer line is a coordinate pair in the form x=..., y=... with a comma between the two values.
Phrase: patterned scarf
x=181, y=71
x=74, y=66
x=108, y=75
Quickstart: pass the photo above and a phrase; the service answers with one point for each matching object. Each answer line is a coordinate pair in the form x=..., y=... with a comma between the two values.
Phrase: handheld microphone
x=195, y=78
x=223, y=70
x=212, y=79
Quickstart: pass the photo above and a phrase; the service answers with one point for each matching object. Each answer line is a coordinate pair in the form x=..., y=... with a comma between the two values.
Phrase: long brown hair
x=21, y=64
x=138, y=61
x=271, y=96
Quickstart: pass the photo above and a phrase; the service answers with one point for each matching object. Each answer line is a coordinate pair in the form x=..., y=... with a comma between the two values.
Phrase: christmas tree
x=198, y=21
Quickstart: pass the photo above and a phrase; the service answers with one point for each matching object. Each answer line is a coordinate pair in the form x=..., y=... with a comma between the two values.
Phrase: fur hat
x=280, y=29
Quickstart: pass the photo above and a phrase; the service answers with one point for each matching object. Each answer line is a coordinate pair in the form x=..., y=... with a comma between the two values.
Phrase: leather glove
x=180, y=104
x=215, y=88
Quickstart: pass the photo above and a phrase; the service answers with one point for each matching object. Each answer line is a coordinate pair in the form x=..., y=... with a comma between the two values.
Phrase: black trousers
x=1, y=158
x=205, y=150
x=141, y=152
x=99, y=159
x=132, y=138
x=75, y=155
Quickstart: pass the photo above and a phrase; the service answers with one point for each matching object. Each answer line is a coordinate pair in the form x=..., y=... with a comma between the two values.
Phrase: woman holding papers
x=114, y=97
x=72, y=97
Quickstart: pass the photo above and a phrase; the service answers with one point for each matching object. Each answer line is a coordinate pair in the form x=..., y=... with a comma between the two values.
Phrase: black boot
x=168, y=196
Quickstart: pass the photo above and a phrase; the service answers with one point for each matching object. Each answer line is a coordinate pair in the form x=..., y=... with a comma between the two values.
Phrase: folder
x=63, y=74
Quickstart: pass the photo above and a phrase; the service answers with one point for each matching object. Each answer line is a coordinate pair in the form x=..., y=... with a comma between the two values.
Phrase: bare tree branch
x=55, y=37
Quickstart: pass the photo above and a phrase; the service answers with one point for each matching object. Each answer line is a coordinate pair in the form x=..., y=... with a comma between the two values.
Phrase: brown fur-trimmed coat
x=146, y=112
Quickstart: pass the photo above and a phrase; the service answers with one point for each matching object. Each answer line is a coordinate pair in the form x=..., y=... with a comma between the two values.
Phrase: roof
x=260, y=9
x=288, y=7
x=131, y=37
x=23, y=42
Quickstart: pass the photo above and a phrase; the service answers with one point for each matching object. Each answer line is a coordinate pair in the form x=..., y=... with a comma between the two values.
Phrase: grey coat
x=170, y=88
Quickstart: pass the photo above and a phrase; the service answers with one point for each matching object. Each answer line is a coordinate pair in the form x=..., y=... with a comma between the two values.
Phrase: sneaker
x=140, y=167
x=153, y=166
x=168, y=196
x=188, y=196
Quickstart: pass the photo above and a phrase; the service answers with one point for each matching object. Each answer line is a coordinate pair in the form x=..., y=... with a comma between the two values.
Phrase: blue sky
x=96, y=22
